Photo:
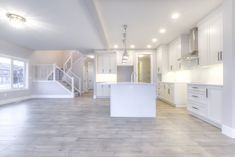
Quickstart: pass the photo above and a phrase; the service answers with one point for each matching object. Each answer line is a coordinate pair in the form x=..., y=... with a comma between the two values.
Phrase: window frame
x=26, y=73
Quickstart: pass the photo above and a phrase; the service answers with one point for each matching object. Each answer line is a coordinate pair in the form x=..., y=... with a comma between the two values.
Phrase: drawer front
x=198, y=109
x=199, y=98
x=197, y=89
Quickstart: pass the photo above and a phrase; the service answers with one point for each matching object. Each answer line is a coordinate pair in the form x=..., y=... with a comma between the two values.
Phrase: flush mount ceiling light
x=91, y=56
x=175, y=15
x=149, y=46
x=16, y=21
x=154, y=40
x=115, y=46
x=162, y=31
x=132, y=46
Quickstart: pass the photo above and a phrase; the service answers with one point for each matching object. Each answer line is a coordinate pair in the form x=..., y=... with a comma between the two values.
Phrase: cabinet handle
x=218, y=56
x=158, y=69
x=207, y=93
x=103, y=70
x=194, y=96
x=195, y=87
x=180, y=65
x=195, y=108
x=169, y=91
x=221, y=55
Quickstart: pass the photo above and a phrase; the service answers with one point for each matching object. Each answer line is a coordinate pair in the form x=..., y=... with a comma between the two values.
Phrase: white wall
x=228, y=127
x=48, y=57
x=48, y=89
x=13, y=50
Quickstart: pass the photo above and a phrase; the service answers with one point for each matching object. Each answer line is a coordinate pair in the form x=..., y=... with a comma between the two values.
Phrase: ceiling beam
x=97, y=21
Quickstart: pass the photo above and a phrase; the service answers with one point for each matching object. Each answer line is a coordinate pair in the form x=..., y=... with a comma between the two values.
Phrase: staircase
x=64, y=76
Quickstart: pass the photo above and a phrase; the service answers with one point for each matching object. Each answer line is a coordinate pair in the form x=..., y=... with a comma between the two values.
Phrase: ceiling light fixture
x=125, y=53
x=154, y=40
x=115, y=46
x=91, y=56
x=149, y=46
x=162, y=31
x=16, y=21
x=132, y=46
x=175, y=15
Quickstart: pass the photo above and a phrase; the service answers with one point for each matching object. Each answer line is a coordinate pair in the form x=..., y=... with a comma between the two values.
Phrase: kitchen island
x=133, y=100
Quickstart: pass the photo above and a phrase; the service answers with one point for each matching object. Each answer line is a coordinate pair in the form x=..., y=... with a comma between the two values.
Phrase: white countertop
x=195, y=83
x=205, y=84
x=125, y=83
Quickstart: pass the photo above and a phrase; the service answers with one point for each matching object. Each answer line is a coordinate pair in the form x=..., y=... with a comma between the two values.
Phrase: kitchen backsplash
x=210, y=74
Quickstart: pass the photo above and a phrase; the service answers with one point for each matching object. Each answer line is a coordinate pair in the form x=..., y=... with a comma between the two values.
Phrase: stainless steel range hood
x=193, y=46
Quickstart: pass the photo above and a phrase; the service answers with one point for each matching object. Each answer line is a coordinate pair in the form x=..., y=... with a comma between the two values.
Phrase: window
x=5, y=73
x=18, y=74
x=12, y=73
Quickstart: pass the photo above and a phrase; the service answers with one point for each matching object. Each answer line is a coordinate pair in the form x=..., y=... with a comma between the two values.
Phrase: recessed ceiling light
x=91, y=56
x=16, y=21
x=115, y=46
x=149, y=46
x=154, y=40
x=132, y=46
x=175, y=15
x=162, y=31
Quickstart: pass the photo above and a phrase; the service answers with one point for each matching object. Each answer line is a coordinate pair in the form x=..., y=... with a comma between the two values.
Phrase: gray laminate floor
x=83, y=128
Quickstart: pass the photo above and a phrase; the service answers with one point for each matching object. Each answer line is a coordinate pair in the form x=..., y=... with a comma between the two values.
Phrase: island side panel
x=133, y=100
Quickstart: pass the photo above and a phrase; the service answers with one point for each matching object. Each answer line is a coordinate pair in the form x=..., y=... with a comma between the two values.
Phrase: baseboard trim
x=230, y=132
x=14, y=100
x=52, y=96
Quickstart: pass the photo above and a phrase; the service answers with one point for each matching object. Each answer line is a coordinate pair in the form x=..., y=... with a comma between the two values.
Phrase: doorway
x=90, y=74
x=144, y=68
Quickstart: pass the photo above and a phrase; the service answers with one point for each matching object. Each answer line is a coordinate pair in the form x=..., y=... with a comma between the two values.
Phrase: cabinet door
x=215, y=104
x=171, y=57
x=112, y=63
x=99, y=65
x=203, y=43
x=99, y=90
x=177, y=54
x=216, y=40
x=159, y=61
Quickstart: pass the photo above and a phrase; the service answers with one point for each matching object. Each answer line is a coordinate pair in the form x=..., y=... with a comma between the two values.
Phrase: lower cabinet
x=173, y=93
x=102, y=90
x=205, y=102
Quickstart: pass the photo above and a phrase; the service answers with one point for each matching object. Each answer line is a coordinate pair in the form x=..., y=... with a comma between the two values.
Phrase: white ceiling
x=145, y=17
x=51, y=24
x=96, y=24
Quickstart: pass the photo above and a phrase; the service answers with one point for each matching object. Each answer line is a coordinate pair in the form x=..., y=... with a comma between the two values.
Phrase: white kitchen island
x=133, y=100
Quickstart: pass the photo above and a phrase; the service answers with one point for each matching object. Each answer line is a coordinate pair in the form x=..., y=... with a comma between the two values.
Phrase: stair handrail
x=75, y=76
x=68, y=61
x=64, y=74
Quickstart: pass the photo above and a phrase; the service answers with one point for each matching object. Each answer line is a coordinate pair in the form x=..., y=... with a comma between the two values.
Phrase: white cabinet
x=106, y=63
x=162, y=59
x=173, y=93
x=102, y=90
x=215, y=104
x=129, y=60
x=210, y=39
x=205, y=102
x=177, y=49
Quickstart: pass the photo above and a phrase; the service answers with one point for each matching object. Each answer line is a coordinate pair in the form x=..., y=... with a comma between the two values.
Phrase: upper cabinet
x=177, y=49
x=106, y=63
x=210, y=39
x=162, y=59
